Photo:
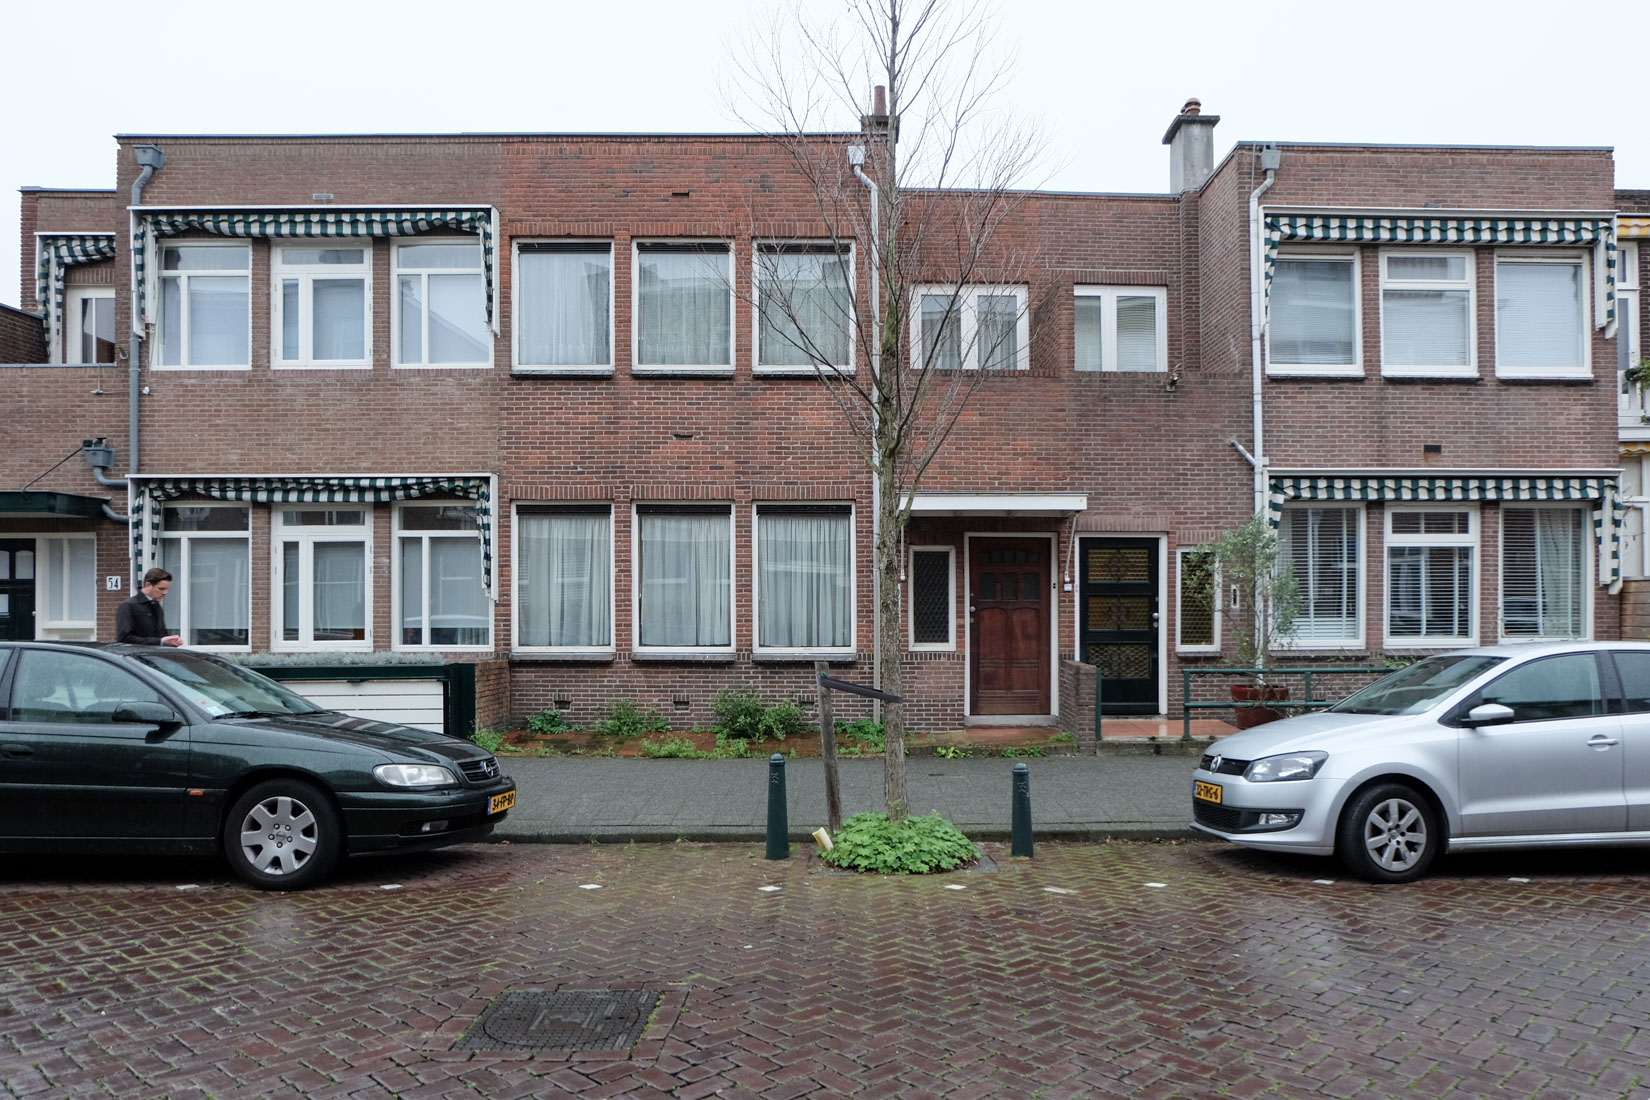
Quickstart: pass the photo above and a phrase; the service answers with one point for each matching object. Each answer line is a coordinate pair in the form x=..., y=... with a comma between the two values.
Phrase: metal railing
x=1308, y=701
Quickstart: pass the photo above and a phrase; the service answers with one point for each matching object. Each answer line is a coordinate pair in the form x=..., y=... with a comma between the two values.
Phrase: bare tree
x=918, y=199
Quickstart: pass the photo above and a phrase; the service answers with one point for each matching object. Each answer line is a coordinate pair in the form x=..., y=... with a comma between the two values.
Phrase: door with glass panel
x=442, y=599
x=16, y=589
x=1009, y=625
x=1118, y=621
x=323, y=575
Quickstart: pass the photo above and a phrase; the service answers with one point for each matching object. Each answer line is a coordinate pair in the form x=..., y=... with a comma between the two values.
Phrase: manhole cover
x=593, y=1019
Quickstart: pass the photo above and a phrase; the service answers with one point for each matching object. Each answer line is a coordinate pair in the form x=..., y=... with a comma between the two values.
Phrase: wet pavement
x=1128, y=968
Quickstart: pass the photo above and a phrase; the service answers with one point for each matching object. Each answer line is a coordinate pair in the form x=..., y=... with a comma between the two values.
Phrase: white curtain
x=997, y=331
x=340, y=591
x=339, y=319
x=685, y=304
x=219, y=592
x=941, y=333
x=1558, y=566
x=804, y=309
x=458, y=319
x=562, y=308
x=686, y=582
x=804, y=580
x=1312, y=313
x=1540, y=318
x=564, y=588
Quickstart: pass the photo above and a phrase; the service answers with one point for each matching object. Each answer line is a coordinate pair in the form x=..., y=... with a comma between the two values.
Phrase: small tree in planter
x=1250, y=559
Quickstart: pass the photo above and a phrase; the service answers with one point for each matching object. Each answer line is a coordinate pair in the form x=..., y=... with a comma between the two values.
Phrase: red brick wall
x=22, y=336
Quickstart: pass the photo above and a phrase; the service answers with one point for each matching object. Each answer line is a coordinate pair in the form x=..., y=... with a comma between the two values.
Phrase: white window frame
x=1554, y=259
x=636, y=512
x=1468, y=283
x=71, y=312
x=756, y=583
x=1587, y=555
x=158, y=351
x=1455, y=540
x=950, y=643
x=1180, y=646
x=1355, y=641
x=308, y=536
x=306, y=274
x=178, y=617
x=845, y=249
x=1108, y=296
x=1630, y=403
x=400, y=534
x=518, y=614
x=965, y=305
x=637, y=247
x=592, y=246
x=50, y=555
x=1354, y=369
x=397, y=270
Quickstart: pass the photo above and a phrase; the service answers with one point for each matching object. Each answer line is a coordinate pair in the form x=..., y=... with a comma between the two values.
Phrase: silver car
x=1515, y=746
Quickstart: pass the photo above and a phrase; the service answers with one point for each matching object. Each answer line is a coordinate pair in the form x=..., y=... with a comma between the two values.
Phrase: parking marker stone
x=767, y=889
x=1518, y=880
x=1157, y=885
x=591, y=886
x=1057, y=890
x=953, y=886
x=1323, y=882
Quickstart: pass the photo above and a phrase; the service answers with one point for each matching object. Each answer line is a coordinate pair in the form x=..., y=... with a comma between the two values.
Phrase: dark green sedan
x=127, y=748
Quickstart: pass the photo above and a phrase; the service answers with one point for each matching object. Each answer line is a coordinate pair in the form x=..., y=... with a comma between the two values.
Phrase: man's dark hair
x=155, y=576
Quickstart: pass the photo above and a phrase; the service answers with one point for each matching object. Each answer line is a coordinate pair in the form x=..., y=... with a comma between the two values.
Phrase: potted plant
x=1250, y=559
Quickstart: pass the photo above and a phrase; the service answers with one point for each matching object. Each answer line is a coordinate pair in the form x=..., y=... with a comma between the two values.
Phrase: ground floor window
x=1430, y=575
x=804, y=576
x=208, y=551
x=1322, y=546
x=933, y=598
x=321, y=570
x=684, y=576
x=443, y=601
x=1543, y=572
x=564, y=578
x=1199, y=609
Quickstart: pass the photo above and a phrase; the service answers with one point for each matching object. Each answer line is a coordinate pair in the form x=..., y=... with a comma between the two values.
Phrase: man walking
x=140, y=619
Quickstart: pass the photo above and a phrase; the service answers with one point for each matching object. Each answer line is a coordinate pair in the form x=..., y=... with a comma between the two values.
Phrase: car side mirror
x=146, y=713
x=1487, y=714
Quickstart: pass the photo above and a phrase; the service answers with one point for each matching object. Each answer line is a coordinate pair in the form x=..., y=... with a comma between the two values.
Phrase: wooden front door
x=16, y=589
x=1009, y=643
x=1119, y=624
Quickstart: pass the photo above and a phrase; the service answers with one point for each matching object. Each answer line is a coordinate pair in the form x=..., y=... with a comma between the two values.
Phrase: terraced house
x=520, y=400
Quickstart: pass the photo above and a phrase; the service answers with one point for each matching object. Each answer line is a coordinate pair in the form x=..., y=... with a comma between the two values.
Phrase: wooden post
x=827, y=752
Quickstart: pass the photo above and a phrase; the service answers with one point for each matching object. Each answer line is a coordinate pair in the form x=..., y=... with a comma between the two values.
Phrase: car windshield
x=220, y=688
x=1419, y=687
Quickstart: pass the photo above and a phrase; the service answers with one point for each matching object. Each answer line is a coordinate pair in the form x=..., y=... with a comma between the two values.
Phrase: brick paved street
x=1126, y=969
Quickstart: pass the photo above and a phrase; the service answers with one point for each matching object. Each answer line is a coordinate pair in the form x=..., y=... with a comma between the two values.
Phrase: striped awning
x=54, y=254
x=1594, y=231
x=150, y=494
x=1632, y=228
x=150, y=225
x=1600, y=491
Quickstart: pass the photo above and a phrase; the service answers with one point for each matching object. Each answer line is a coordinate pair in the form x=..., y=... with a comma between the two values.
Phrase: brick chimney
x=1191, y=142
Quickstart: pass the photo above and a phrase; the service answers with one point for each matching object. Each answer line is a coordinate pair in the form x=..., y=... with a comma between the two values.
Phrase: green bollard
x=779, y=830
x=1021, y=845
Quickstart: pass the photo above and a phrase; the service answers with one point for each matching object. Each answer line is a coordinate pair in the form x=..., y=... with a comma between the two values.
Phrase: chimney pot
x=1192, y=107
x=1191, y=142
x=879, y=100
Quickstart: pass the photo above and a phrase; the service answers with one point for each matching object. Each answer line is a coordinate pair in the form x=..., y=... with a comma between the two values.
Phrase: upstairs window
x=1427, y=314
x=971, y=328
x=1121, y=329
x=440, y=305
x=1314, y=316
x=1541, y=317
x=90, y=316
x=322, y=306
x=804, y=307
x=205, y=305
x=684, y=307
x=564, y=306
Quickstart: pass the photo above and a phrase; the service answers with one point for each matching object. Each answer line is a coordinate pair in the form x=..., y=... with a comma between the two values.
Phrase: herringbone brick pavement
x=1124, y=969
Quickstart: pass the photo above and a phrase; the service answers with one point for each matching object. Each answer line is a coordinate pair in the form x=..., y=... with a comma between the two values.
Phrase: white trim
x=1179, y=605
x=1577, y=260
x=1471, y=541
x=158, y=352
x=597, y=370
x=1354, y=369
x=180, y=575
x=1053, y=626
x=636, y=646
x=597, y=652
x=713, y=369
x=996, y=504
x=802, y=652
x=1108, y=296
x=964, y=306
x=399, y=533
x=950, y=644
x=278, y=535
x=71, y=297
x=843, y=370
x=306, y=274
x=45, y=565
x=1468, y=283
x=397, y=269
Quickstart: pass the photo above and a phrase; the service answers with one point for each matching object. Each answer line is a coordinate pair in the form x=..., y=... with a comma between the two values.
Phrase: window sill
x=1544, y=376
x=185, y=368
x=681, y=372
x=801, y=372
x=281, y=365
x=775, y=656
x=564, y=656
x=1416, y=645
x=562, y=372
x=441, y=366
x=1400, y=375
x=1293, y=371
x=696, y=656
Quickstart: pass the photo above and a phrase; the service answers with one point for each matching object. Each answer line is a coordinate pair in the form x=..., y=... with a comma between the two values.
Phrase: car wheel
x=283, y=834
x=1388, y=833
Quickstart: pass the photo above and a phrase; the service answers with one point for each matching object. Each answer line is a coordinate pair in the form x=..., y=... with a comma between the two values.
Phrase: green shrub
x=743, y=714
x=953, y=752
x=1028, y=750
x=1062, y=737
x=915, y=846
x=731, y=748
x=548, y=721
x=625, y=721
x=487, y=739
x=679, y=748
x=867, y=732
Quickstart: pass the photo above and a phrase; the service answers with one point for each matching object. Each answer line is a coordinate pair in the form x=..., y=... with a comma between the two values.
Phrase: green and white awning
x=1600, y=491
x=1595, y=231
x=151, y=224
x=150, y=494
x=54, y=254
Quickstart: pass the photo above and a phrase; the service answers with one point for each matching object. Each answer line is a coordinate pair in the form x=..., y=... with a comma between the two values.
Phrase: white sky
x=1105, y=78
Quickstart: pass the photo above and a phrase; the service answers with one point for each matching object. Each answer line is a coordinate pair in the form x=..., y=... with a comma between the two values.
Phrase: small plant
x=731, y=748
x=625, y=721
x=743, y=714
x=546, y=722
x=1026, y=750
x=953, y=752
x=1250, y=558
x=866, y=731
x=677, y=748
x=487, y=739
x=915, y=846
x=1062, y=737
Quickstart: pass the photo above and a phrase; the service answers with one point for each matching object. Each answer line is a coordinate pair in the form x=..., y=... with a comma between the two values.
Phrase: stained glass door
x=1119, y=621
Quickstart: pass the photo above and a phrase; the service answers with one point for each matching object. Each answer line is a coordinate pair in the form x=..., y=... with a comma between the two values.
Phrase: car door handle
x=1601, y=742
x=16, y=751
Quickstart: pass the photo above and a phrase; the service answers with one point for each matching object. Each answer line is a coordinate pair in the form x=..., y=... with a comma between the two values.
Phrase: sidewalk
x=1119, y=793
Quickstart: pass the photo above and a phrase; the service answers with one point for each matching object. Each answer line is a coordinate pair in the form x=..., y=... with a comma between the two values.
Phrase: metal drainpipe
x=856, y=158
x=151, y=158
x=1269, y=157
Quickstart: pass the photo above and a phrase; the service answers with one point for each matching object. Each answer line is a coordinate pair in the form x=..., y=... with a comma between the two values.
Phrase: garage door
x=410, y=702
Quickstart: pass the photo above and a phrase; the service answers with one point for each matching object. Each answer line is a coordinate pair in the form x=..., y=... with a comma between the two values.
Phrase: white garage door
x=409, y=702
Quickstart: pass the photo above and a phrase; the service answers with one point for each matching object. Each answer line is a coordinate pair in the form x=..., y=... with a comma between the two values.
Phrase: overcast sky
x=1104, y=78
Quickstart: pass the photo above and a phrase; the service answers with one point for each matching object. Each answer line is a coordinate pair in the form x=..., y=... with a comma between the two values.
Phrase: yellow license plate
x=501, y=802
x=1208, y=792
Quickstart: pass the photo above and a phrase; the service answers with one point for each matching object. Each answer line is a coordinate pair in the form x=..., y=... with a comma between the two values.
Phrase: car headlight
x=1291, y=765
x=414, y=775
